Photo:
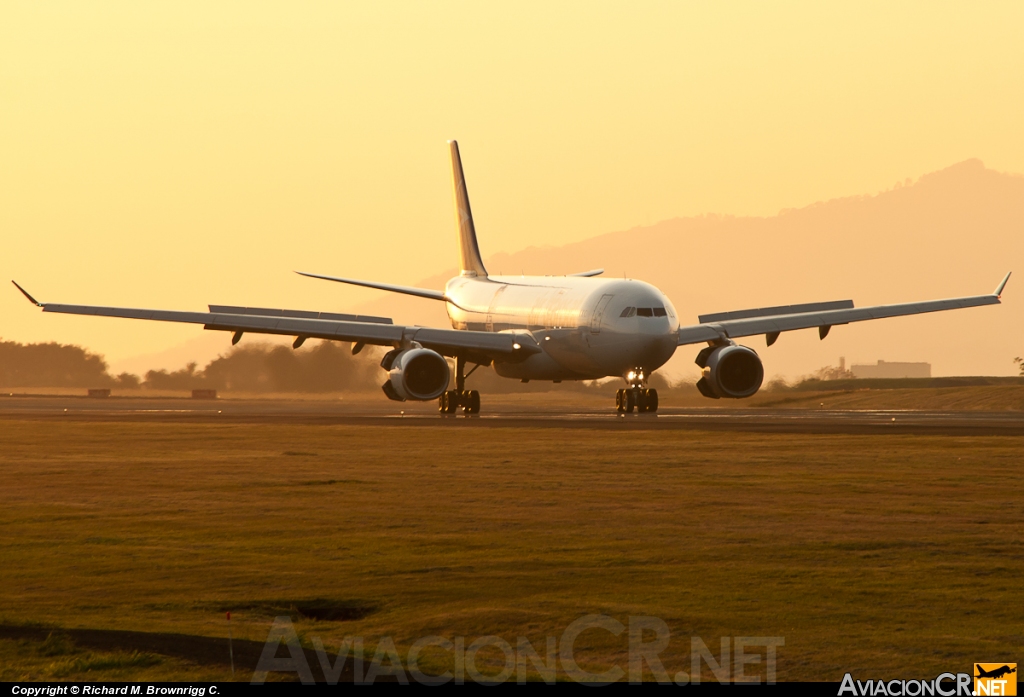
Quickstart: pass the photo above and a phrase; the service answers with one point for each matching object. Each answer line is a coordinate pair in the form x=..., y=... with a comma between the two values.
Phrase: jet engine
x=418, y=374
x=730, y=371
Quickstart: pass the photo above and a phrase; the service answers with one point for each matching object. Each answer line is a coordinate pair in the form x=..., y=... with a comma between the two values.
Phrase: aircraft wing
x=483, y=346
x=773, y=321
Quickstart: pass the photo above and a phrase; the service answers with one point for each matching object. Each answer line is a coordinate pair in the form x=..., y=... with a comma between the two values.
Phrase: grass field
x=885, y=555
x=980, y=398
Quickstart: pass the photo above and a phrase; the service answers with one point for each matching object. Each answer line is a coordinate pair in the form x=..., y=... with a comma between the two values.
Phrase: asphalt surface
x=507, y=414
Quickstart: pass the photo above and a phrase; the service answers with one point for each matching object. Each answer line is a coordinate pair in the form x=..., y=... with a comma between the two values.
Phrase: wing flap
x=305, y=314
x=778, y=310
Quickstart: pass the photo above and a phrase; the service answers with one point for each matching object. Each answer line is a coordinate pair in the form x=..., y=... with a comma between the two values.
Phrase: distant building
x=885, y=369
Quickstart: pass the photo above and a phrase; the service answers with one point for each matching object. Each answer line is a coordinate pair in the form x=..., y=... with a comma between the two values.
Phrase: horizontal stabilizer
x=407, y=290
x=778, y=310
x=300, y=314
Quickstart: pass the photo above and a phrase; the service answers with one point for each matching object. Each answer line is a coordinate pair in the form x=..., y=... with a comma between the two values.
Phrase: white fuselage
x=588, y=327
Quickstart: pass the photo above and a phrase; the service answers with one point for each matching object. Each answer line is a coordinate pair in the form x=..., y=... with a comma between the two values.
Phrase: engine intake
x=418, y=374
x=733, y=372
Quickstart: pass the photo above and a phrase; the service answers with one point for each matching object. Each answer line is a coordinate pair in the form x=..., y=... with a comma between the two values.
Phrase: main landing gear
x=644, y=400
x=450, y=400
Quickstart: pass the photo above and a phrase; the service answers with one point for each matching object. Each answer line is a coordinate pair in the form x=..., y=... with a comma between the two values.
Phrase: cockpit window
x=645, y=311
x=628, y=312
x=659, y=312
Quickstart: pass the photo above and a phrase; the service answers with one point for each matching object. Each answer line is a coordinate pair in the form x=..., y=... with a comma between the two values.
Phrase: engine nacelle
x=730, y=371
x=418, y=374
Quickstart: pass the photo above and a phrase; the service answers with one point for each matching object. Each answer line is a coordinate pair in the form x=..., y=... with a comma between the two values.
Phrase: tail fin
x=470, y=262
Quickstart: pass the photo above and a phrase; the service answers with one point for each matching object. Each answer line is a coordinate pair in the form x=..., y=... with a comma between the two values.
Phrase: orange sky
x=174, y=154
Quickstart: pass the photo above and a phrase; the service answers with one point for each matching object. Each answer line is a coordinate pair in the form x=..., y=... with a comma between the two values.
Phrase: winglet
x=998, y=293
x=25, y=293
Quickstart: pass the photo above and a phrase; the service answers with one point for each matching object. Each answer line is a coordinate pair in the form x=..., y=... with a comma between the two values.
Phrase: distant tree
x=1020, y=363
x=831, y=372
x=128, y=381
x=185, y=379
x=777, y=384
x=51, y=365
x=323, y=367
x=327, y=366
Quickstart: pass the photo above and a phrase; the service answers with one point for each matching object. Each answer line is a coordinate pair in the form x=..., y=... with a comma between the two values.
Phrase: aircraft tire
x=448, y=402
x=652, y=401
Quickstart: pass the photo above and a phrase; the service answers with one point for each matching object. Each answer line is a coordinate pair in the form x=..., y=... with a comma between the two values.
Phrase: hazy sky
x=174, y=154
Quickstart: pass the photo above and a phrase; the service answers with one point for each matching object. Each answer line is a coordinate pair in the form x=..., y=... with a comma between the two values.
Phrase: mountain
x=952, y=232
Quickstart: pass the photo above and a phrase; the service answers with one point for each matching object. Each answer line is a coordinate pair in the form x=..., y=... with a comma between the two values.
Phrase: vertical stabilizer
x=470, y=262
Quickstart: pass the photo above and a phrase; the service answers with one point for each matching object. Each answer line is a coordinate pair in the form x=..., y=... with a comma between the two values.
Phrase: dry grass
x=891, y=555
x=976, y=398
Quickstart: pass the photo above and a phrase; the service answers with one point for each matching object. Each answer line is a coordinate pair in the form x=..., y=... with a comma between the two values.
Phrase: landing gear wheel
x=448, y=402
x=619, y=401
x=630, y=401
x=652, y=400
x=471, y=402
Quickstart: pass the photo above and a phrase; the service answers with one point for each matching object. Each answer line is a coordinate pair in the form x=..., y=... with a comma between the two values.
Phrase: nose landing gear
x=637, y=395
x=645, y=401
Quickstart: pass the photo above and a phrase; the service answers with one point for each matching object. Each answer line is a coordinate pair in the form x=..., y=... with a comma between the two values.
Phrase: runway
x=509, y=413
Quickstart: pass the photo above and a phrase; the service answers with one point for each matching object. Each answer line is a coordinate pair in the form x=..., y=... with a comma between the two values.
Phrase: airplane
x=995, y=674
x=549, y=328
